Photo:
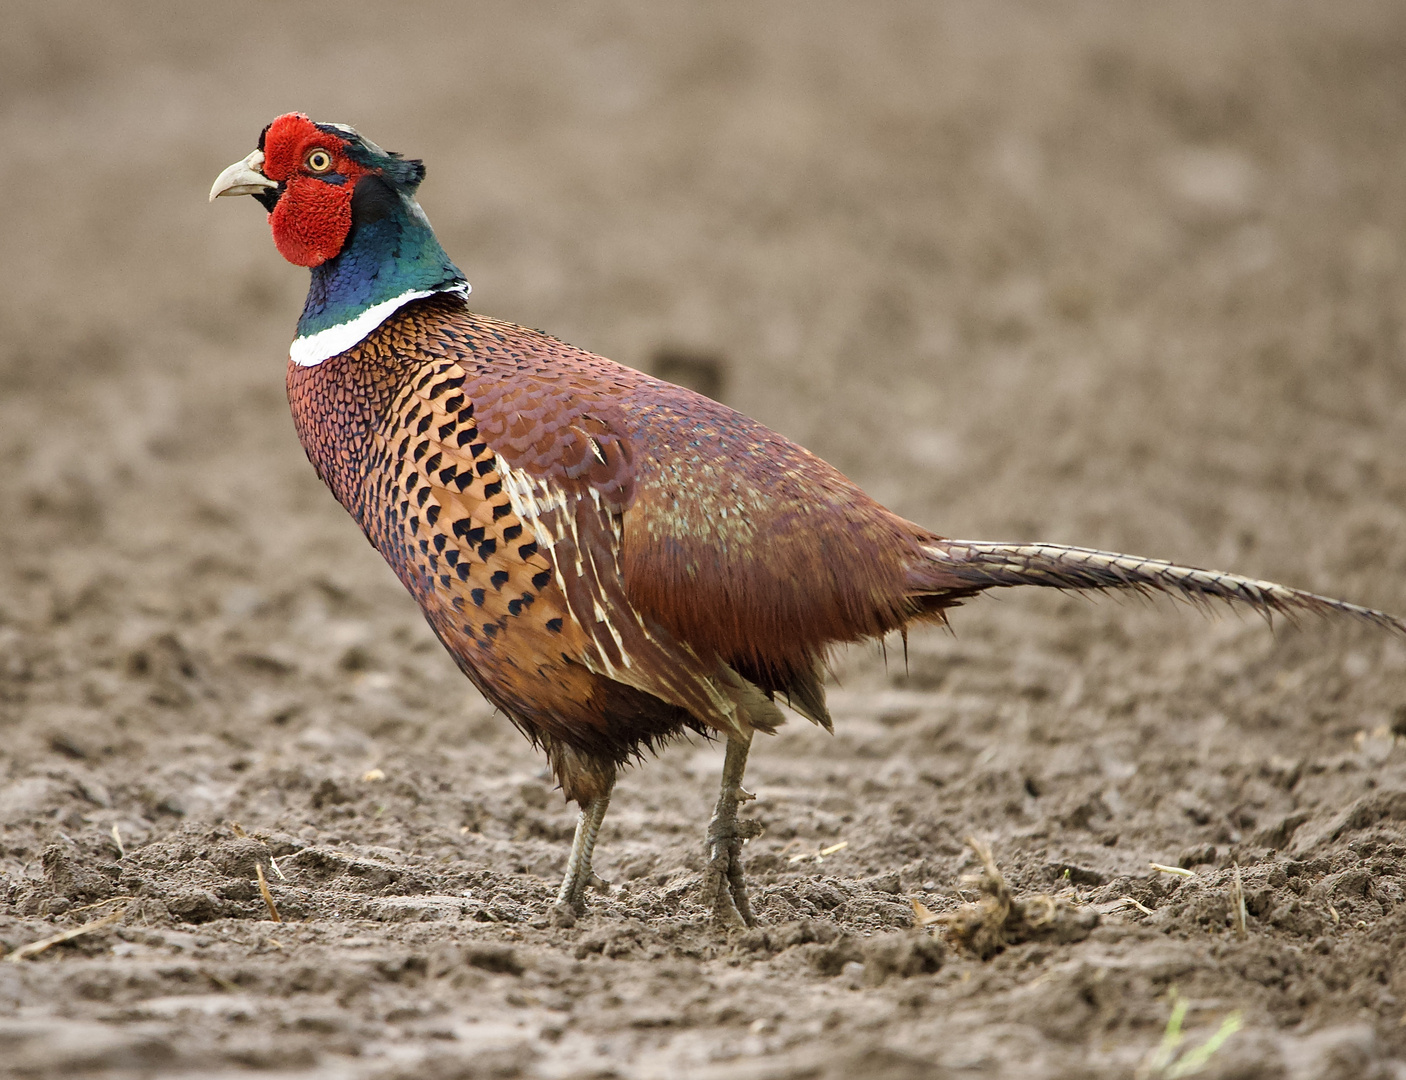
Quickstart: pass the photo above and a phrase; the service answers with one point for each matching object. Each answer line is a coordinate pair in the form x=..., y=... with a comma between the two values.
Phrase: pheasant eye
x=319, y=161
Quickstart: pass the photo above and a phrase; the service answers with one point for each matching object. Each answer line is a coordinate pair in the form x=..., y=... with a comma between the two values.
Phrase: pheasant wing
x=508, y=448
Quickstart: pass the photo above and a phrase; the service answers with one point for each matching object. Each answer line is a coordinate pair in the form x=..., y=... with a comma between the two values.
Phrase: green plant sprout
x=1164, y=1062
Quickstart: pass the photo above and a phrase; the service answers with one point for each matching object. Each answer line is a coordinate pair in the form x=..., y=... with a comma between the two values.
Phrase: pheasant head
x=345, y=208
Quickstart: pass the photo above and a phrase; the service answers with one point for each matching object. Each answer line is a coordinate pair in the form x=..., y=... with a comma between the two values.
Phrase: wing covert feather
x=539, y=465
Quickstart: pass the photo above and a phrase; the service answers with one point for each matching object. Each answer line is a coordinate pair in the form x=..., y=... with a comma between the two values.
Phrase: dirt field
x=1129, y=276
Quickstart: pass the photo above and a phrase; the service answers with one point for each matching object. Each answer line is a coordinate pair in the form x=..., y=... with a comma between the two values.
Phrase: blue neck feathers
x=390, y=252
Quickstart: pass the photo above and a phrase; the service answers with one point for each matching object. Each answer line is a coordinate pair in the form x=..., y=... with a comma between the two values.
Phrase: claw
x=749, y=830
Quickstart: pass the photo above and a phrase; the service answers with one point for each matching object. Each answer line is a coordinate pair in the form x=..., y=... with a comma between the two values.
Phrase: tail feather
x=970, y=566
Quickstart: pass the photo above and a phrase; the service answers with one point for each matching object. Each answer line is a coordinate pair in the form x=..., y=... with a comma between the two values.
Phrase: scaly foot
x=724, y=885
x=571, y=898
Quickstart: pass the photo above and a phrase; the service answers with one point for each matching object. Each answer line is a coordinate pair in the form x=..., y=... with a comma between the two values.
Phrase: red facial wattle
x=313, y=215
x=311, y=221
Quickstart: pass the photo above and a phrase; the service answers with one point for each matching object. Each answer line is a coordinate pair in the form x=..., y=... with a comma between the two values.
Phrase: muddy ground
x=1121, y=275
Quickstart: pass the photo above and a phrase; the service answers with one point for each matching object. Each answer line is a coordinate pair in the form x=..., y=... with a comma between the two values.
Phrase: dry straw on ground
x=998, y=919
x=34, y=948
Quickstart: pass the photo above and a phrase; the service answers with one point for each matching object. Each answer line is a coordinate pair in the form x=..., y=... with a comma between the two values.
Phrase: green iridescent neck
x=390, y=252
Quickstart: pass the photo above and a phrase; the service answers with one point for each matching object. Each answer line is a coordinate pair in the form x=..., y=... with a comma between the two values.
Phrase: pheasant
x=612, y=560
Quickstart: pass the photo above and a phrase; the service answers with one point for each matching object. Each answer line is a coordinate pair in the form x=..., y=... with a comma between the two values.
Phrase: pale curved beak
x=243, y=178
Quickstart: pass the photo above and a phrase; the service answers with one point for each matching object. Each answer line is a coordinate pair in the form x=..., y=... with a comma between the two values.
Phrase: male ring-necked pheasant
x=609, y=558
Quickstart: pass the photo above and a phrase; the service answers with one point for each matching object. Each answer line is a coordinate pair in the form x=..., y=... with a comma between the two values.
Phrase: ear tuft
x=406, y=172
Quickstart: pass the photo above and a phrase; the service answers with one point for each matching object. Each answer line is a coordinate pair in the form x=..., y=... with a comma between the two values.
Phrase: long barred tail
x=973, y=565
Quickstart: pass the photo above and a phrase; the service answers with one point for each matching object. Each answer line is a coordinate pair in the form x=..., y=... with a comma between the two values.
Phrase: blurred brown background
x=1123, y=275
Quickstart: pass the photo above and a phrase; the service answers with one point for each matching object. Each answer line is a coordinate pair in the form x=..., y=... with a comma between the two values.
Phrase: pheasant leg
x=571, y=897
x=724, y=886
